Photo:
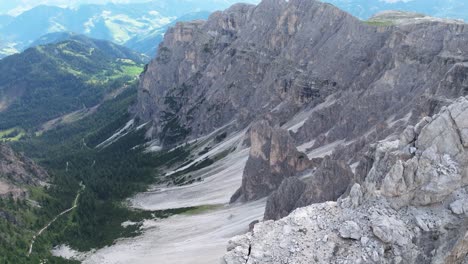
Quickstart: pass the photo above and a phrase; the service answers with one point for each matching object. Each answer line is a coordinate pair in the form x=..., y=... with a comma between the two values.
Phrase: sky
x=15, y=7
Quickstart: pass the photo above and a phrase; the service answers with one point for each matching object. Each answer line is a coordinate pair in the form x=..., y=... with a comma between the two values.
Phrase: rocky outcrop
x=327, y=183
x=273, y=157
x=284, y=200
x=17, y=172
x=408, y=209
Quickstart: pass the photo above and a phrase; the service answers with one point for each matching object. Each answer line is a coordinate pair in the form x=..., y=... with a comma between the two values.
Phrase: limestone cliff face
x=273, y=157
x=410, y=208
x=16, y=172
x=365, y=82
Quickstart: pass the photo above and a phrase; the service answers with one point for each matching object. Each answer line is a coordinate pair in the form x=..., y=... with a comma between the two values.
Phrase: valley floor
x=183, y=239
x=198, y=236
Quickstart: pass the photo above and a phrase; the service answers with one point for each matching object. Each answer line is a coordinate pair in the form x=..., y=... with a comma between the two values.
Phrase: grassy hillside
x=46, y=82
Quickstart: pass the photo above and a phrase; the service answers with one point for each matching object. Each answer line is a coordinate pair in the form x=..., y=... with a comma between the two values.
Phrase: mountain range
x=140, y=24
x=289, y=131
x=364, y=9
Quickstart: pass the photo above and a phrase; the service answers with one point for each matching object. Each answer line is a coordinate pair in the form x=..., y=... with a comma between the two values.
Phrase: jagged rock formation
x=328, y=183
x=283, y=201
x=409, y=208
x=364, y=82
x=273, y=157
x=17, y=172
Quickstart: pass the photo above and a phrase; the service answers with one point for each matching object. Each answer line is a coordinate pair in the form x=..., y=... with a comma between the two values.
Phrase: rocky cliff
x=17, y=172
x=334, y=85
x=363, y=81
x=273, y=157
x=327, y=183
x=411, y=207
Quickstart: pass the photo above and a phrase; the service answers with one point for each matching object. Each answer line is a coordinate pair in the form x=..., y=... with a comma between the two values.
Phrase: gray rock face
x=16, y=172
x=283, y=201
x=365, y=82
x=273, y=157
x=436, y=168
x=409, y=208
x=328, y=183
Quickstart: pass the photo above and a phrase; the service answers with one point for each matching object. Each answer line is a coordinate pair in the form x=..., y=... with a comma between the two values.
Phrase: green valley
x=47, y=82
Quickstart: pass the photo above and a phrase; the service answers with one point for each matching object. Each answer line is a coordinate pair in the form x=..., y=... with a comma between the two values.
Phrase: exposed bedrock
x=282, y=57
x=328, y=183
x=273, y=157
x=410, y=208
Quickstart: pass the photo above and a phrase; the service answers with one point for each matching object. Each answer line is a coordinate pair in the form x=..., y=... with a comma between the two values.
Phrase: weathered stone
x=390, y=215
x=459, y=206
x=350, y=229
x=283, y=201
x=328, y=183
x=273, y=158
x=460, y=117
x=390, y=230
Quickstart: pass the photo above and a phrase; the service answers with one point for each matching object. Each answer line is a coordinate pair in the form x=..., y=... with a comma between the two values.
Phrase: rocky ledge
x=410, y=208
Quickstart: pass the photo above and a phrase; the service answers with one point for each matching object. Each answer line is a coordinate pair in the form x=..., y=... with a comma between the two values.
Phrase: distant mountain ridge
x=119, y=23
x=364, y=9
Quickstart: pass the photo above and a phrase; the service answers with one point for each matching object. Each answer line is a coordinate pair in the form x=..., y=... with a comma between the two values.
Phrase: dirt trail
x=75, y=204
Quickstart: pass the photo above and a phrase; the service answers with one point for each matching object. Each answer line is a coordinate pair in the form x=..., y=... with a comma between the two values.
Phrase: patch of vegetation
x=18, y=228
x=219, y=138
x=49, y=81
x=204, y=151
x=12, y=134
x=203, y=209
x=110, y=175
x=379, y=23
